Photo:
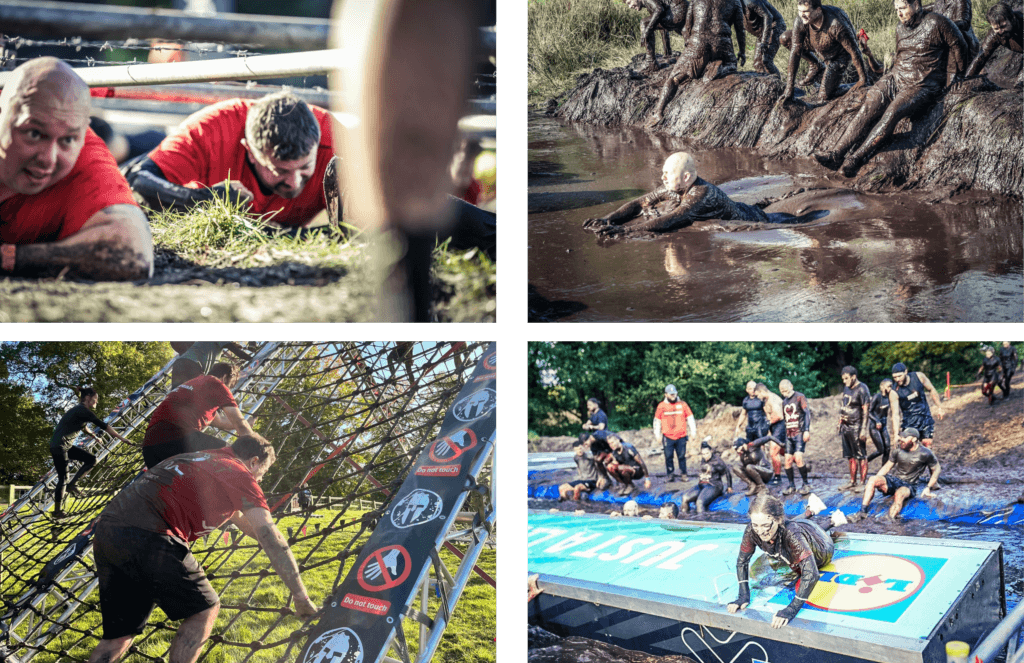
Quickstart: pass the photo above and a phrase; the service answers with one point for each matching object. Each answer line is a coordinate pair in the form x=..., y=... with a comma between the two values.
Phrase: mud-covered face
x=786, y=390
x=906, y=11
x=808, y=14
x=580, y=449
x=848, y=379
x=764, y=526
x=900, y=378
x=706, y=454
x=885, y=388
x=907, y=443
x=634, y=4
x=1002, y=27
x=615, y=443
x=990, y=353
x=665, y=513
x=750, y=388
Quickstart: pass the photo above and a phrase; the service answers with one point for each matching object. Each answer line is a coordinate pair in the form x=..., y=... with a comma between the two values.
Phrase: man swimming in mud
x=930, y=54
x=763, y=20
x=683, y=199
x=829, y=32
x=900, y=477
x=708, y=52
x=909, y=401
x=799, y=543
x=991, y=374
x=1007, y=29
x=665, y=16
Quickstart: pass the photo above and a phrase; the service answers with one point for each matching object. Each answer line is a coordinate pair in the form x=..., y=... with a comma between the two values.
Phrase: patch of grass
x=468, y=280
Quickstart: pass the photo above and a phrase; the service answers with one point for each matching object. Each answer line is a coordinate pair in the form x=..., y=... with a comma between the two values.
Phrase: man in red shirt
x=264, y=152
x=63, y=203
x=177, y=423
x=672, y=421
x=142, y=538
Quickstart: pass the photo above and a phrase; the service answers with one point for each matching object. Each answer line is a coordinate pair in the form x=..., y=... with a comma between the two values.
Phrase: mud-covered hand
x=595, y=224
x=733, y=608
x=784, y=616
x=788, y=94
x=742, y=59
x=610, y=231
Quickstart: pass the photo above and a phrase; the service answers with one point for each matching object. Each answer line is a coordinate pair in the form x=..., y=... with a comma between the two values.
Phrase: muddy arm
x=849, y=42
x=894, y=409
x=741, y=34
x=657, y=10
x=954, y=39
x=115, y=244
x=677, y=218
x=795, y=51
x=988, y=47
x=768, y=20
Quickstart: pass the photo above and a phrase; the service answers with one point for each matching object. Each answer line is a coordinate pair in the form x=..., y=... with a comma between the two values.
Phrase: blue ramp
x=663, y=586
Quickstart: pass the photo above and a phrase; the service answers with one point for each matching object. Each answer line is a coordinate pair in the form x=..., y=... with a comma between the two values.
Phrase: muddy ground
x=974, y=442
x=181, y=291
x=971, y=139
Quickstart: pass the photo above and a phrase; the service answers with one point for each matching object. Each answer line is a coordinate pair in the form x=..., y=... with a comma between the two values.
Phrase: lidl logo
x=875, y=586
x=859, y=583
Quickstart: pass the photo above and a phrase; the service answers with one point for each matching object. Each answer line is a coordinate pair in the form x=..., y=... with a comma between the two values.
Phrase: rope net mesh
x=346, y=419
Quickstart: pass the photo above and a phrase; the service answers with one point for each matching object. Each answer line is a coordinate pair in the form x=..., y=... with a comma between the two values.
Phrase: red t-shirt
x=187, y=496
x=472, y=193
x=192, y=405
x=207, y=149
x=59, y=211
x=673, y=418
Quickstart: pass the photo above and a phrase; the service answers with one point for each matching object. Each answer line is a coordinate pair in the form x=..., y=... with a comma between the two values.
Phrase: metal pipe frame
x=99, y=22
x=989, y=648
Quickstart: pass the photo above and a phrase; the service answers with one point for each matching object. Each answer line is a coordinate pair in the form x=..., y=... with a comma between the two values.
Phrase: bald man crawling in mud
x=683, y=199
x=64, y=207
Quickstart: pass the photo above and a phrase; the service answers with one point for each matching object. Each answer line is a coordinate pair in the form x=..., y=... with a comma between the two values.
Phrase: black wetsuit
x=991, y=370
x=710, y=486
x=914, y=410
x=1008, y=359
x=801, y=544
x=62, y=449
x=757, y=420
x=878, y=413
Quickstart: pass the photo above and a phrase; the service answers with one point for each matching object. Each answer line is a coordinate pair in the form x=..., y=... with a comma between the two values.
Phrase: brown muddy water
x=894, y=257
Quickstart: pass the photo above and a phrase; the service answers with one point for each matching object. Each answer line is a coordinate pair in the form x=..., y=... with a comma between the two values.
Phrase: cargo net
x=347, y=420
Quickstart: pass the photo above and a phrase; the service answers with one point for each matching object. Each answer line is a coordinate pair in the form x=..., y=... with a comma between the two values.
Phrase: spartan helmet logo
x=475, y=405
x=418, y=507
x=340, y=645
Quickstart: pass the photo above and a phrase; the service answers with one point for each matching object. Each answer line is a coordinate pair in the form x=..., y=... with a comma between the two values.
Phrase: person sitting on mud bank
x=708, y=53
x=666, y=16
x=829, y=32
x=991, y=374
x=1007, y=30
x=624, y=462
x=930, y=54
x=710, y=484
x=799, y=543
x=752, y=467
x=900, y=477
x=65, y=207
x=683, y=199
x=591, y=474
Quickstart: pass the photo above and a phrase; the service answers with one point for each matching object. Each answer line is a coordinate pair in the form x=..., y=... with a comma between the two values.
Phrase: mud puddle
x=875, y=257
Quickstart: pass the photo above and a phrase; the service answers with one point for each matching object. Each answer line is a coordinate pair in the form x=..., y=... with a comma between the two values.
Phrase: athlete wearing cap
x=909, y=402
x=900, y=477
x=673, y=426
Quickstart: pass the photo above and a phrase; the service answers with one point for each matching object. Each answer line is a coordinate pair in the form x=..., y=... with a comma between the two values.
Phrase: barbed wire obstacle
x=348, y=420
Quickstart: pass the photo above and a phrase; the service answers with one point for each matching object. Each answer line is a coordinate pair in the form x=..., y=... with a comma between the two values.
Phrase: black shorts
x=925, y=425
x=164, y=440
x=184, y=370
x=588, y=484
x=139, y=569
x=795, y=445
x=853, y=446
x=893, y=483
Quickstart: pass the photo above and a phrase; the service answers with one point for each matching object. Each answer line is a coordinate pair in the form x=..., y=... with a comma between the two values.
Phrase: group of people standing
x=771, y=437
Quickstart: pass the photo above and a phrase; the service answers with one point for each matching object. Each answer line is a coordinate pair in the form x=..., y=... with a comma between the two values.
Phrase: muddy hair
x=254, y=446
x=283, y=126
x=1000, y=10
x=767, y=504
x=84, y=392
x=849, y=370
x=813, y=4
x=226, y=373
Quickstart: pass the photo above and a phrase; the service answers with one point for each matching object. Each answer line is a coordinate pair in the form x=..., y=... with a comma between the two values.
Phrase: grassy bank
x=571, y=37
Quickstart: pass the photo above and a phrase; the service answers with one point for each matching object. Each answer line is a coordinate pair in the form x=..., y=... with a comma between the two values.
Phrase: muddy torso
x=827, y=41
x=958, y=11
x=796, y=414
x=922, y=50
x=703, y=201
x=990, y=367
x=754, y=408
x=910, y=465
x=912, y=398
x=712, y=21
x=1008, y=357
x=673, y=13
x=854, y=399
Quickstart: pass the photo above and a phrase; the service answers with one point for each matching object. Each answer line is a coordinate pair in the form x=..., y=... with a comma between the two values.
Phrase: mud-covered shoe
x=850, y=166
x=894, y=511
x=789, y=490
x=830, y=160
x=753, y=489
x=805, y=489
